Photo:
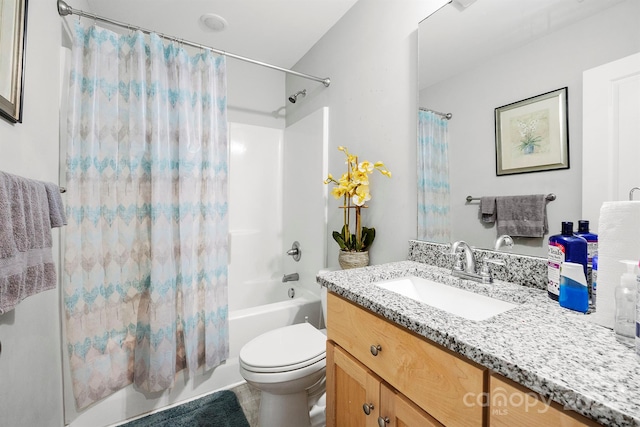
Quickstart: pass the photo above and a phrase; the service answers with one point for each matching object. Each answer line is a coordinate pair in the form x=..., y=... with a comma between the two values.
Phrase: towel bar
x=63, y=190
x=550, y=197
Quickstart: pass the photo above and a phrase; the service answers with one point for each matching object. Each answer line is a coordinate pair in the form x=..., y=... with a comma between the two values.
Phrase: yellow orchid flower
x=362, y=195
x=365, y=167
x=353, y=187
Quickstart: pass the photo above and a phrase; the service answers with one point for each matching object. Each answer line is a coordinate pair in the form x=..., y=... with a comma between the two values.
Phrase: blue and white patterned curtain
x=145, y=263
x=434, y=221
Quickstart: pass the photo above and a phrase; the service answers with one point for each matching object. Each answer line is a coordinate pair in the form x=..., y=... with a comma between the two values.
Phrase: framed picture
x=13, y=23
x=532, y=135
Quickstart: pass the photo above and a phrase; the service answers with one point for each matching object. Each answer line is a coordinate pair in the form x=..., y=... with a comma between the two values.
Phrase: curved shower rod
x=64, y=9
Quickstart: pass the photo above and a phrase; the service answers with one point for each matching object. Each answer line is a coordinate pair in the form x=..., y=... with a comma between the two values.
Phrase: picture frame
x=13, y=26
x=532, y=135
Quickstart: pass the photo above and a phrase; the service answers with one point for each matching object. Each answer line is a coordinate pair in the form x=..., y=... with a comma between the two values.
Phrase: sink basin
x=453, y=300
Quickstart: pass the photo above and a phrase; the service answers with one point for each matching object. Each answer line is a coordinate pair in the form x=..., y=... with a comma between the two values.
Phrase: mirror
x=492, y=53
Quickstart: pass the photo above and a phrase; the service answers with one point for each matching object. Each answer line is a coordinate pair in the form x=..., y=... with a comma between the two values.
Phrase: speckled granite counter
x=555, y=352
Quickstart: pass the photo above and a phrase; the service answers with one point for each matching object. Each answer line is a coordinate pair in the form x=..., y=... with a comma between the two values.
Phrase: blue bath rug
x=220, y=409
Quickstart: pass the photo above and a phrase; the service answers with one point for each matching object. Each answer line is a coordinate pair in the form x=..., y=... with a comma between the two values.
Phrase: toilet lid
x=287, y=348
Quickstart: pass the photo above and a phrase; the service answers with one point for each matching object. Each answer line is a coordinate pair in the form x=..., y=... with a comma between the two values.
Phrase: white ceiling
x=278, y=32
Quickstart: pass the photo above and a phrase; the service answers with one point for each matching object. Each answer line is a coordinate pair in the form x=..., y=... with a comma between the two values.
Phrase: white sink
x=456, y=301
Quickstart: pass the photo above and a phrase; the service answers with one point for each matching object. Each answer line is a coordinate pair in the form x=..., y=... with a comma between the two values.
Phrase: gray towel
x=26, y=260
x=56, y=208
x=488, y=209
x=523, y=216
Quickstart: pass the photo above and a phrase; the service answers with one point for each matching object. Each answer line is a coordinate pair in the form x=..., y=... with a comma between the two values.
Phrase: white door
x=611, y=134
x=305, y=195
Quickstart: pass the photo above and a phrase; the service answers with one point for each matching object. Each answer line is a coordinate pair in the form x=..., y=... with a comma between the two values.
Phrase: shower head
x=294, y=98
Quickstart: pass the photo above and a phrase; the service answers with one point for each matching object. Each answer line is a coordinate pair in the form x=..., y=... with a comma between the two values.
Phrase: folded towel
x=523, y=216
x=488, y=209
x=26, y=260
x=56, y=208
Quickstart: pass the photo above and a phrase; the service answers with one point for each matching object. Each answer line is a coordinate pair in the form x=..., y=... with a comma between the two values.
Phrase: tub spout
x=290, y=277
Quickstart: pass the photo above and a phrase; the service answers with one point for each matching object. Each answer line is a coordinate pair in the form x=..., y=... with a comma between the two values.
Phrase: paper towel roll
x=618, y=239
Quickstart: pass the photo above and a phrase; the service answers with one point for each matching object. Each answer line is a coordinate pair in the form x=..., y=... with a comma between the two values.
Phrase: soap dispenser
x=625, y=314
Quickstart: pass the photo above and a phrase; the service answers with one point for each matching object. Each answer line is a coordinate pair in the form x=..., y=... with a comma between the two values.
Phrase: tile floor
x=249, y=398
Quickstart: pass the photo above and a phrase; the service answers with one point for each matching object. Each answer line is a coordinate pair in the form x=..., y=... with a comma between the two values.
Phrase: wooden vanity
x=381, y=374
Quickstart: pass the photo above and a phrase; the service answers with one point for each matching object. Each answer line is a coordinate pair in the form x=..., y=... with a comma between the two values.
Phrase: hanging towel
x=26, y=260
x=56, y=208
x=523, y=216
x=488, y=209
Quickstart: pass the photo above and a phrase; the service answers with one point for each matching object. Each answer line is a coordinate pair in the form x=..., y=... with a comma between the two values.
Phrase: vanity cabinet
x=361, y=399
x=514, y=405
x=373, y=361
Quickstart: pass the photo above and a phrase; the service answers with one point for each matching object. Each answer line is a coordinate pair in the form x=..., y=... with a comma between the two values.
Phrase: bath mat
x=220, y=409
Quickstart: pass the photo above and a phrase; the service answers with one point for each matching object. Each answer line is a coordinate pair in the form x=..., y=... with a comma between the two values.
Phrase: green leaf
x=339, y=239
x=368, y=236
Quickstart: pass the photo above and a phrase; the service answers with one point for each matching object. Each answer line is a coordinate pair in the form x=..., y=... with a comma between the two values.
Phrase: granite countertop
x=553, y=351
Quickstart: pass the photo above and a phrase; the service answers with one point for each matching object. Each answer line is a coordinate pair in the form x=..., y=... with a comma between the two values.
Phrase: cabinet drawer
x=511, y=404
x=432, y=377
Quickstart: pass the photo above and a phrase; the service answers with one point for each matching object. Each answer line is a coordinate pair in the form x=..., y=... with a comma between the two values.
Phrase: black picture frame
x=13, y=39
x=532, y=135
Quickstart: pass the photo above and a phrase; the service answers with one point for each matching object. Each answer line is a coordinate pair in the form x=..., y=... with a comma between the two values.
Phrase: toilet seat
x=284, y=349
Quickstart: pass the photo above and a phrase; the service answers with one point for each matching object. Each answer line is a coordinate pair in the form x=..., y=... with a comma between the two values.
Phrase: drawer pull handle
x=367, y=408
x=375, y=349
x=382, y=422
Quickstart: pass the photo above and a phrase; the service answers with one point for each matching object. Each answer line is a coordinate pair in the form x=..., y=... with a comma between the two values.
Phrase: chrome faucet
x=293, y=277
x=469, y=261
x=467, y=269
x=504, y=240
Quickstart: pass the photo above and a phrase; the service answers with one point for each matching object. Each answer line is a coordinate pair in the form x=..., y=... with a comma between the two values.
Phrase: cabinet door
x=510, y=404
x=397, y=411
x=436, y=379
x=350, y=386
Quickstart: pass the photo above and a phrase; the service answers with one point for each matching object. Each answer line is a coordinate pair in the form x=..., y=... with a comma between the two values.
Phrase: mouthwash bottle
x=574, y=294
x=564, y=247
x=591, y=238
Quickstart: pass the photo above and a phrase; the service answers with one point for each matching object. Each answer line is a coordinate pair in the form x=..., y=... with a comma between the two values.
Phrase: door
x=398, y=411
x=611, y=129
x=350, y=386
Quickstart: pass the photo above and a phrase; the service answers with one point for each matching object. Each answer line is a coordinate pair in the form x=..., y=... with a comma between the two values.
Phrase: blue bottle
x=594, y=280
x=564, y=247
x=591, y=238
x=574, y=293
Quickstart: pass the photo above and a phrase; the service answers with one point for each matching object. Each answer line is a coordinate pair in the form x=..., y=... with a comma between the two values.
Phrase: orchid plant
x=353, y=188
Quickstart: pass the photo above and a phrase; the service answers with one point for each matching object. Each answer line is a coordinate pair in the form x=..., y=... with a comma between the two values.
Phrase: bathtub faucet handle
x=293, y=277
x=295, y=251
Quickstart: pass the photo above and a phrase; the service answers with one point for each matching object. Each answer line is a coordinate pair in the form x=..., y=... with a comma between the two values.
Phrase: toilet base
x=284, y=410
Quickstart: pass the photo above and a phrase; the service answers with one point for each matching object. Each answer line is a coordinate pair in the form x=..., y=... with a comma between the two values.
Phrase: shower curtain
x=434, y=222
x=145, y=262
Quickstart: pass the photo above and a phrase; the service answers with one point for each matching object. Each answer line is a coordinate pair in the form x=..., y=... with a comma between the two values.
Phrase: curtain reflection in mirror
x=434, y=218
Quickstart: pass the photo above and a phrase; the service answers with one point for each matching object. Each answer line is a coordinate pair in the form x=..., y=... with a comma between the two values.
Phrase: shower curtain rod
x=64, y=9
x=444, y=115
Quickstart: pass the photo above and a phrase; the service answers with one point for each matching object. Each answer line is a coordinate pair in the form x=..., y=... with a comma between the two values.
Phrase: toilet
x=288, y=366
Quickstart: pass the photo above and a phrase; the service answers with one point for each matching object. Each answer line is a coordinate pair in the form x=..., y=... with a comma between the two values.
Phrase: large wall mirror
x=492, y=53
